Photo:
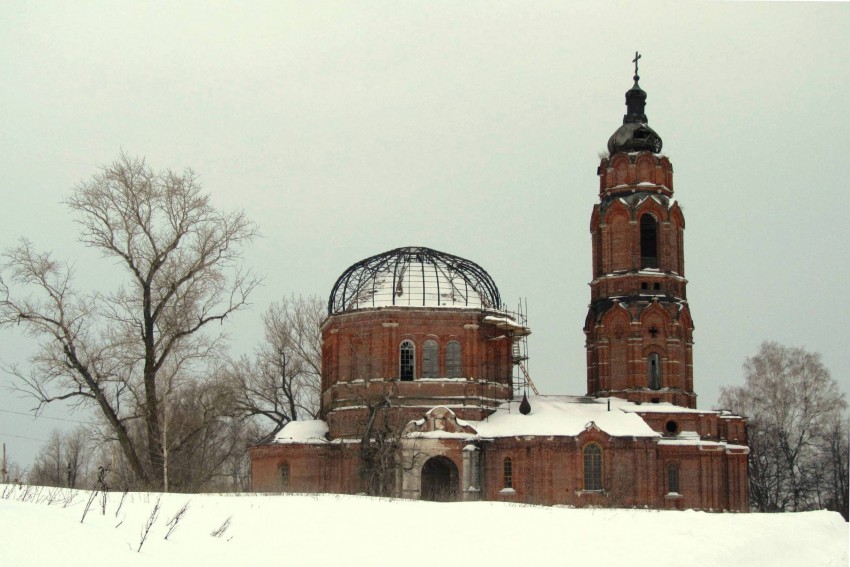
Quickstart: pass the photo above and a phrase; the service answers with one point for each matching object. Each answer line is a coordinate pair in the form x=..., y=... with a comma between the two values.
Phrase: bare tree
x=282, y=381
x=63, y=460
x=120, y=349
x=380, y=448
x=793, y=404
x=835, y=466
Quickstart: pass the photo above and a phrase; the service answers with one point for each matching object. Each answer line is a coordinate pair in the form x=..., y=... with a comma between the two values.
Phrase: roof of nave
x=550, y=416
x=566, y=416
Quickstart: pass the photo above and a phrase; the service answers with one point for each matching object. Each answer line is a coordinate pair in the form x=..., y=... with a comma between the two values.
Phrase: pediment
x=440, y=419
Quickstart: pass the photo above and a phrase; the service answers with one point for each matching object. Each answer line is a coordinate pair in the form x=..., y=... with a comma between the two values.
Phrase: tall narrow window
x=283, y=476
x=648, y=242
x=508, y=473
x=653, y=371
x=354, y=361
x=453, y=369
x=406, y=360
x=430, y=359
x=672, y=478
x=592, y=454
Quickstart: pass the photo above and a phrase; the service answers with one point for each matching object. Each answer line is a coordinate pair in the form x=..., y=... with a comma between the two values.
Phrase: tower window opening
x=648, y=242
x=656, y=286
x=592, y=455
x=406, y=361
x=453, y=367
x=430, y=359
x=653, y=370
x=644, y=285
x=508, y=472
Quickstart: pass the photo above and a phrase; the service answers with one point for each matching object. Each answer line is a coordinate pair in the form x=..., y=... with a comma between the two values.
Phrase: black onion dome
x=414, y=277
x=635, y=135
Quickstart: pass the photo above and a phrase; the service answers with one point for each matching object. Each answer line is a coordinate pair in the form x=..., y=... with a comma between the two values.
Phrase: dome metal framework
x=414, y=277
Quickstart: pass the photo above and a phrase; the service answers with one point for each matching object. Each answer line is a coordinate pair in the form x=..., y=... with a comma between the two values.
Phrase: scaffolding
x=522, y=381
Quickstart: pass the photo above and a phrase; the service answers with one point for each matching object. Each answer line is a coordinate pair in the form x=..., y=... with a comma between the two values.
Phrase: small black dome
x=414, y=277
x=635, y=135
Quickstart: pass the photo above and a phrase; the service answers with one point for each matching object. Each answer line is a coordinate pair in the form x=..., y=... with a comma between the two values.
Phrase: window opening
x=453, y=369
x=671, y=427
x=430, y=359
x=673, y=478
x=406, y=361
x=644, y=285
x=283, y=476
x=592, y=467
x=653, y=364
x=656, y=286
x=648, y=242
x=508, y=472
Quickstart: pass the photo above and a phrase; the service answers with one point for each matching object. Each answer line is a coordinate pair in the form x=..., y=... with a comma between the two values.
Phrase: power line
x=19, y=437
x=47, y=417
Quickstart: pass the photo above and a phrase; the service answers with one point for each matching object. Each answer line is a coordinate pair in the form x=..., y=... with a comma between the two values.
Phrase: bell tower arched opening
x=648, y=241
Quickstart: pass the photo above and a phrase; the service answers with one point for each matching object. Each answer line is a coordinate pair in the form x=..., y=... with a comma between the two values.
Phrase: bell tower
x=638, y=328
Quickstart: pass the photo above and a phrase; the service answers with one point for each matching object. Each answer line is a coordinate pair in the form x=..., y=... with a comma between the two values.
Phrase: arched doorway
x=439, y=480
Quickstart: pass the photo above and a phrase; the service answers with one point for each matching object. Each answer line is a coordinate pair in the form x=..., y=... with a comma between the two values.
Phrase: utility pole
x=3, y=475
x=165, y=444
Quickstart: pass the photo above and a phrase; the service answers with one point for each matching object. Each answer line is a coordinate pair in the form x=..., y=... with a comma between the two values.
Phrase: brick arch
x=620, y=164
x=645, y=168
x=654, y=348
x=667, y=172
x=677, y=216
x=656, y=314
x=617, y=237
x=618, y=315
x=685, y=321
x=617, y=328
x=653, y=207
x=439, y=479
x=594, y=219
x=616, y=210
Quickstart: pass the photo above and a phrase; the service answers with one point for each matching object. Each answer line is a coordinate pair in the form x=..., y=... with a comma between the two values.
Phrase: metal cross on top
x=635, y=61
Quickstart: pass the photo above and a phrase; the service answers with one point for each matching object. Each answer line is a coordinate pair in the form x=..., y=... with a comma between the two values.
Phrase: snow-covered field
x=42, y=526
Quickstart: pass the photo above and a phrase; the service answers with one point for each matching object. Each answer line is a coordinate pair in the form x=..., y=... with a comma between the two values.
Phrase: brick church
x=425, y=394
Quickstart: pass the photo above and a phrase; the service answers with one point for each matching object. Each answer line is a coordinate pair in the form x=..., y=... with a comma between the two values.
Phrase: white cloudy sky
x=346, y=129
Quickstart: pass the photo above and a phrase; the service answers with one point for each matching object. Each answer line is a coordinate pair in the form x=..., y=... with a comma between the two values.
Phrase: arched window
x=406, y=360
x=508, y=472
x=283, y=476
x=592, y=454
x=653, y=371
x=648, y=242
x=430, y=359
x=672, y=478
x=453, y=369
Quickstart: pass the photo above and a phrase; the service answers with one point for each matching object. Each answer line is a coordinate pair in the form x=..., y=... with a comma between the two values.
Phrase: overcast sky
x=345, y=129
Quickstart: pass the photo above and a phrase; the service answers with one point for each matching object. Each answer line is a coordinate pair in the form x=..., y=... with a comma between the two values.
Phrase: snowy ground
x=41, y=526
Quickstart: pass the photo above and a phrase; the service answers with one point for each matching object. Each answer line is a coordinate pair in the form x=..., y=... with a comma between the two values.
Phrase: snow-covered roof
x=564, y=416
x=307, y=431
x=664, y=407
x=508, y=323
x=550, y=416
